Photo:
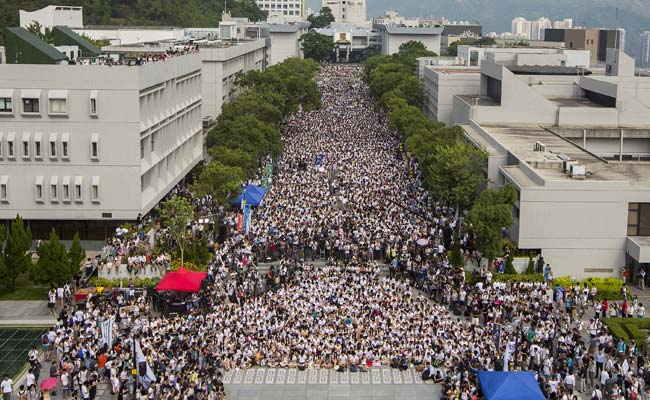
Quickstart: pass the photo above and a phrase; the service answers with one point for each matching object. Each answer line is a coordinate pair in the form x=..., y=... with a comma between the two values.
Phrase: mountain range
x=496, y=15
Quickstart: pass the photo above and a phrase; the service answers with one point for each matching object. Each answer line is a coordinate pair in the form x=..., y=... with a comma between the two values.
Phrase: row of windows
x=65, y=190
x=31, y=146
x=31, y=102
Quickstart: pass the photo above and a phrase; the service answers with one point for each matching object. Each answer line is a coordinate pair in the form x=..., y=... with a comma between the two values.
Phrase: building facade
x=284, y=41
x=645, y=49
x=351, y=11
x=84, y=146
x=394, y=36
x=292, y=10
x=51, y=16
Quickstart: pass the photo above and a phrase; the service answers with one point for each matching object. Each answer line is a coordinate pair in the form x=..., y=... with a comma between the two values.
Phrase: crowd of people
x=343, y=192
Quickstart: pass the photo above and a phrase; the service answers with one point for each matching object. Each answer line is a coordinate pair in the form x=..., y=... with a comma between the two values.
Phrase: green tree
x=17, y=257
x=316, y=46
x=219, y=180
x=53, y=264
x=247, y=134
x=176, y=214
x=491, y=212
x=233, y=158
x=322, y=20
x=76, y=254
x=251, y=104
x=452, y=49
x=456, y=173
x=45, y=34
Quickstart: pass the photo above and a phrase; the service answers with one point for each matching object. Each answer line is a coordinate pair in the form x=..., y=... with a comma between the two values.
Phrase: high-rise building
x=538, y=27
x=645, y=49
x=521, y=27
x=352, y=11
x=290, y=9
x=566, y=23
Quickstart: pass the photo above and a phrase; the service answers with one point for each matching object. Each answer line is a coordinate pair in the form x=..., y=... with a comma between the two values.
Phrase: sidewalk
x=25, y=314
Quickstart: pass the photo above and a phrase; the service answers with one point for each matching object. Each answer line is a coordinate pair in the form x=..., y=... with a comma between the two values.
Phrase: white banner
x=106, y=327
x=148, y=377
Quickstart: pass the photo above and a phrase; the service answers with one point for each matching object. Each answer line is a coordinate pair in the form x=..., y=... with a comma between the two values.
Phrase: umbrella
x=49, y=383
x=423, y=242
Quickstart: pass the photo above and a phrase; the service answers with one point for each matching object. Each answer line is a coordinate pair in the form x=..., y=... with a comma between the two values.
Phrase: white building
x=84, y=146
x=394, y=36
x=292, y=10
x=521, y=27
x=538, y=27
x=645, y=49
x=351, y=11
x=284, y=41
x=577, y=149
x=566, y=23
x=51, y=16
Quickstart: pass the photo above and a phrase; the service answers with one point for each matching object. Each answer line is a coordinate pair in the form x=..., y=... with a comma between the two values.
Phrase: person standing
x=7, y=387
x=642, y=279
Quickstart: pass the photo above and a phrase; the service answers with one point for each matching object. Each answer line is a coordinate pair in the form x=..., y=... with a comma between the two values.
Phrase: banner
x=247, y=218
x=496, y=335
x=240, y=222
x=106, y=327
x=319, y=159
x=146, y=377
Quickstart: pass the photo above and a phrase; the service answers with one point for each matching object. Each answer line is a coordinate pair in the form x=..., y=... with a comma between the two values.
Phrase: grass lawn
x=25, y=293
x=25, y=290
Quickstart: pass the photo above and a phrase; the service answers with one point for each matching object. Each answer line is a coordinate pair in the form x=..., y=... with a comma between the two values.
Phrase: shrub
x=176, y=264
x=139, y=282
x=607, y=288
x=628, y=328
x=472, y=278
x=531, y=265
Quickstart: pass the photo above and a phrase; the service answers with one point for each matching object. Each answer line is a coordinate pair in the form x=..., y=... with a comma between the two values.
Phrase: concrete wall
x=51, y=16
x=391, y=42
x=219, y=68
x=442, y=87
x=123, y=36
x=285, y=45
x=133, y=104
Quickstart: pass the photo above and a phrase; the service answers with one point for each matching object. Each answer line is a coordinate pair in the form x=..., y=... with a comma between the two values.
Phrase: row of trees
x=452, y=169
x=247, y=133
x=247, y=130
x=55, y=263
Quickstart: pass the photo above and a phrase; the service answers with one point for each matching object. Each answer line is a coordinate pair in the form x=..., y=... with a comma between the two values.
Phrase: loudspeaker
x=204, y=284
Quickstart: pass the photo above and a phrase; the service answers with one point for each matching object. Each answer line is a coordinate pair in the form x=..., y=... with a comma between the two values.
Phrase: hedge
x=176, y=264
x=607, y=288
x=628, y=328
x=515, y=278
x=139, y=282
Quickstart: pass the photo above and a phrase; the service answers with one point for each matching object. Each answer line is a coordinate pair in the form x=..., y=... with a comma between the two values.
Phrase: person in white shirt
x=569, y=382
x=7, y=388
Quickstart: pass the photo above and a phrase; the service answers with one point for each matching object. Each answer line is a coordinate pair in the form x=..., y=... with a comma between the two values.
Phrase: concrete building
x=284, y=41
x=350, y=11
x=51, y=16
x=394, y=36
x=350, y=41
x=596, y=40
x=538, y=27
x=83, y=147
x=292, y=10
x=566, y=23
x=521, y=27
x=645, y=49
x=576, y=147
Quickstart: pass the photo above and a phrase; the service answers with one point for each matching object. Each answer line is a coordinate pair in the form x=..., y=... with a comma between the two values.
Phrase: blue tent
x=252, y=194
x=509, y=385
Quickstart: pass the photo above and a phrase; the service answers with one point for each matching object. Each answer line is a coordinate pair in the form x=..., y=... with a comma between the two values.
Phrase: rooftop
x=520, y=140
x=547, y=70
x=405, y=30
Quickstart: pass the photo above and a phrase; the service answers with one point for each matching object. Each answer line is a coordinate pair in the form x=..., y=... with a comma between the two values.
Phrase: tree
x=455, y=173
x=219, y=180
x=492, y=212
x=251, y=104
x=316, y=46
x=45, y=34
x=322, y=20
x=452, y=49
x=177, y=213
x=17, y=258
x=2, y=252
x=76, y=254
x=53, y=264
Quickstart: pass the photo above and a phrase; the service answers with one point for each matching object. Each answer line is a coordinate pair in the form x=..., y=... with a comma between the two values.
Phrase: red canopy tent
x=182, y=280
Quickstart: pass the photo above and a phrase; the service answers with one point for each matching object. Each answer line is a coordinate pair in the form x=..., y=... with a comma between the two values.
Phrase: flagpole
x=134, y=370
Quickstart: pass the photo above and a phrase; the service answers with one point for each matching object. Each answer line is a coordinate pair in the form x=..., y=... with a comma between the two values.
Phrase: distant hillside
x=496, y=15
x=195, y=13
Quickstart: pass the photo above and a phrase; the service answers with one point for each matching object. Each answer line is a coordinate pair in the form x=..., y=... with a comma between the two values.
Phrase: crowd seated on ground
x=360, y=206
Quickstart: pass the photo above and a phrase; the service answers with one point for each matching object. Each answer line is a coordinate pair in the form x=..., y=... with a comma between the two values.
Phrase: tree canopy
x=17, y=258
x=176, y=214
x=53, y=264
x=316, y=46
x=322, y=20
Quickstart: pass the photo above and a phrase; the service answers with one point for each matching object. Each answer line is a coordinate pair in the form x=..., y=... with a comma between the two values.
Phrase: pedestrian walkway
x=24, y=313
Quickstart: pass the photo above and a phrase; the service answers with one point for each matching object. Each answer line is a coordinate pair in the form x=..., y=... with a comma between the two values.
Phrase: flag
x=147, y=377
x=106, y=327
x=247, y=218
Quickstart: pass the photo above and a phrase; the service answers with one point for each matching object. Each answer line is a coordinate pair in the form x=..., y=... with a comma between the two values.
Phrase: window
x=153, y=141
x=54, y=189
x=30, y=106
x=11, y=151
x=65, y=189
x=94, y=146
x=53, y=150
x=1, y=145
x=78, y=181
x=93, y=103
x=26, y=145
x=65, y=145
x=57, y=106
x=4, y=188
x=95, y=189
x=6, y=105
x=142, y=143
x=38, y=145
x=638, y=219
x=38, y=189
